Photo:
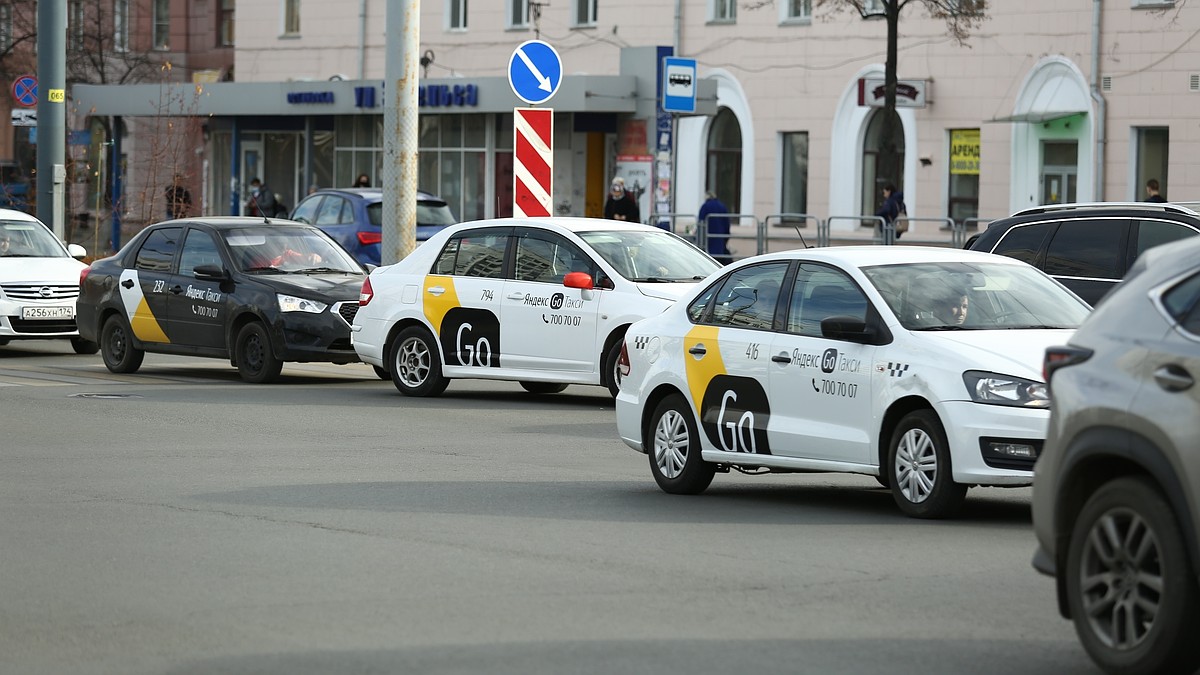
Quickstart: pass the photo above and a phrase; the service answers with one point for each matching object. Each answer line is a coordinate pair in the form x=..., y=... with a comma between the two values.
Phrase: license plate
x=48, y=312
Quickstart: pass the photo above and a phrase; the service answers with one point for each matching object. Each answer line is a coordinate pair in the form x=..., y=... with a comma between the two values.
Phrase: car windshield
x=275, y=249
x=654, y=256
x=429, y=212
x=975, y=296
x=24, y=239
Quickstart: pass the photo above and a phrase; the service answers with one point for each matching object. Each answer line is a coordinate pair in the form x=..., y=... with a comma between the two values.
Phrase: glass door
x=1060, y=169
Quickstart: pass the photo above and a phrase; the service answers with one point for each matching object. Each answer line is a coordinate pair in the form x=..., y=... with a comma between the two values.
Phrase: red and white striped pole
x=533, y=164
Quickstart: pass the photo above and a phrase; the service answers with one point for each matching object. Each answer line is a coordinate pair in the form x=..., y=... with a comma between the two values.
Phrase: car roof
x=229, y=222
x=1104, y=207
x=372, y=193
x=867, y=256
x=574, y=224
x=13, y=214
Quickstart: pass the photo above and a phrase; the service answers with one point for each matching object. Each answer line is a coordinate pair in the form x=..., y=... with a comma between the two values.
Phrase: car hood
x=54, y=270
x=666, y=291
x=334, y=286
x=1006, y=352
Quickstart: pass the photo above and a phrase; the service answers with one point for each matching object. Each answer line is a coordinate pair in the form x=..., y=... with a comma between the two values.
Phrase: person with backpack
x=893, y=208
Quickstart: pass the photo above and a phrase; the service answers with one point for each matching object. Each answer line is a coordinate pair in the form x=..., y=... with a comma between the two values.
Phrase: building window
x=75, y=25
x=291, y=17
x=584, y=13
x=6, y=27
x=794, y=11
x=225, y=29
x=1151, y=146
x=723, y=166
x=1153, y=4
x=518, y=13
x=883, y=160
x=723, y=11
x=456, y=14
x=963, y=200
x=162, y=23
x=452, y=161
x=120, y=25
x=793, y=197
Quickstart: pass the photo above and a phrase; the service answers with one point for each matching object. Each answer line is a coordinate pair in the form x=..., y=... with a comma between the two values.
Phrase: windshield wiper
x=318, y=270
x=1035, y=327
x=266, y=268
x=948, y=327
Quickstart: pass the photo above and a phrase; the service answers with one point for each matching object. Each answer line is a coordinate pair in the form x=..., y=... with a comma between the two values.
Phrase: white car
x=39, y=282
x=920, y=366
x=543, y=301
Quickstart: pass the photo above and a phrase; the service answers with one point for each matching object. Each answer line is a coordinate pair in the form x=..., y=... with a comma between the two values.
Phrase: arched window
x=882, y=164
x=724, y=162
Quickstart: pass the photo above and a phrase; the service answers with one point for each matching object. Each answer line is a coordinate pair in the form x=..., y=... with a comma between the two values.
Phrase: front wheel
x=612, y=368
x=920, y=474
x=542, y=387
x=1133, y=598
x=674, y=449
x=116, y=347
x=256, y=361
x=82, y=346
x=416, y=366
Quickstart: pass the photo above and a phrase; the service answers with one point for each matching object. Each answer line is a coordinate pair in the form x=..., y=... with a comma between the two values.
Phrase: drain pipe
x=678, y=27
x=362, y=39
x=1101, y=116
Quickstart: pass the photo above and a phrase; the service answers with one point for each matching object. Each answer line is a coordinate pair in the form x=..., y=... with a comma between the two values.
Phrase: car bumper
x=967, y=424
x=302, y=337
x=629, y=420
x=367, y=338
x=14, y=327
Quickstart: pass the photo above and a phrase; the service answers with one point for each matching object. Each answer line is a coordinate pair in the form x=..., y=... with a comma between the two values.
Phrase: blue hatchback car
x=353, y=216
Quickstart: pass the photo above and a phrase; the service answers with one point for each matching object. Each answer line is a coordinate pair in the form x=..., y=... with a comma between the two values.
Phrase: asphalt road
x=326, y=524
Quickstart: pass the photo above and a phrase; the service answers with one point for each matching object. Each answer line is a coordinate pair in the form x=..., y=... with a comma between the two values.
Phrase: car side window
x=1151, y=233
x=819, y=293
x=1023, y=242
x=547, y=258
x=1088, y=248
x=198, y=249
x=306, y=212
x=1181, y=301
x=445, y=262
x=330, y=212
x=473, y=254
x=748, y=298
x=158, y=251
x=347, y=212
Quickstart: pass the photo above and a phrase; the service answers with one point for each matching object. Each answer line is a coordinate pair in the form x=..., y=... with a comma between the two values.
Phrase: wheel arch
x=103, y=316
x=404, y=324
x=650, y=403
x=1097, y=456
x=891, y=418
x=235, y=328
x=616, y=335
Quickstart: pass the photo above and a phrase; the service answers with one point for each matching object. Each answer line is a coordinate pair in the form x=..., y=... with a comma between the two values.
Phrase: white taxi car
x=543, y=301
x=920, y=366
x=39, y=283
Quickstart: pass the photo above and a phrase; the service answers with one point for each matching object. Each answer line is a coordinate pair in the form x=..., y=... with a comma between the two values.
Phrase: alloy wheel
x=916, y=465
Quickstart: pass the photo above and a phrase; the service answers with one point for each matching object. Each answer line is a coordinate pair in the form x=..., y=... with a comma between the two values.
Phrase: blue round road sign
x=24, y=90
x=534, y=71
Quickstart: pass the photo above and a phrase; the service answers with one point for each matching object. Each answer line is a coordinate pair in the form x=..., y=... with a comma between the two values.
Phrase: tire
x=116, y=347
x=612, y=376
x=3, y=341
x=543, y=387
x=1127, y=533
x=256, y=360
x=674, y=449
x=416, y=365
x=82, y=346
x=919, y=468
x=382, y=373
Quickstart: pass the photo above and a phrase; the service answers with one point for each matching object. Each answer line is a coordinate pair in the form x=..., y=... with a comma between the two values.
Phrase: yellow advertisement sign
x=964, y=152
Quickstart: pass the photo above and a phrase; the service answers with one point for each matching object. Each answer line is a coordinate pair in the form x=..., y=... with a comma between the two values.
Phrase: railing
x=673, y=224
x=797, y=221
x=735, y=220
x=956, y=231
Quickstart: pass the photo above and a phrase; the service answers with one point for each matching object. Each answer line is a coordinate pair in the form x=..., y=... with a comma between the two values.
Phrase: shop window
x=794, y=175
x=963, y=201
x=1151, y=145
x=452, y=162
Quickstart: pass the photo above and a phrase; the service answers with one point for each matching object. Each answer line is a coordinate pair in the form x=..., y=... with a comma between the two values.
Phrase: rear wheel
x=611, y=368
x=921, y=477
x=82, y=346
x=543, y=387
x=116, y=346
x=256, y=361
x=1131, y=592
x=416, y=367
x=674, y=449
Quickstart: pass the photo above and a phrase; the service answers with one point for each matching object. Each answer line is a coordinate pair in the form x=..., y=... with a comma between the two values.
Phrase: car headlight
x=994, y=389
x=290, y=303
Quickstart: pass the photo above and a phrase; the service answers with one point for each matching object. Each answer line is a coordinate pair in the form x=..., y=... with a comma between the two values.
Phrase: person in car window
x=955, y=309
x=5, y=243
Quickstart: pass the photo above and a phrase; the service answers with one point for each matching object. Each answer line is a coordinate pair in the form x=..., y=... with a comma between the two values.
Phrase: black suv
x=1087, y=247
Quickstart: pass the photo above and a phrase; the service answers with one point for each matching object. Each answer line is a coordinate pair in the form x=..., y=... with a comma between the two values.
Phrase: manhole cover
x=87, y=395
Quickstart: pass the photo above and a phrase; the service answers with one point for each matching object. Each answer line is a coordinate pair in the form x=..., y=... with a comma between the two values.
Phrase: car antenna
x=801, y=235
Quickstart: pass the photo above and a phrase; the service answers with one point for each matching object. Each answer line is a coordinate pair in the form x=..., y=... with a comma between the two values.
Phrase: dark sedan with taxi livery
x=259, y=292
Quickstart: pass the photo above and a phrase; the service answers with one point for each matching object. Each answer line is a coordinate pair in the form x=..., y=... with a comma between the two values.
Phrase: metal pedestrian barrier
x=735, y=220
x=956, y=231
x=796, y=221
x=685, y=229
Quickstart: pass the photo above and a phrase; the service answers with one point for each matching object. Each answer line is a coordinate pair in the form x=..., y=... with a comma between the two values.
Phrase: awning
x=1038, y=116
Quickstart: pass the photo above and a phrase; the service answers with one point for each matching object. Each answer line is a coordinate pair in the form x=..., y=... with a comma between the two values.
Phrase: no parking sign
x=25, y=91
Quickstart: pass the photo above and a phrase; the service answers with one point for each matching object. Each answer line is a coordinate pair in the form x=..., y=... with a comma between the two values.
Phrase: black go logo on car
x=556, y=301
x=829, y=360
x=735, y=413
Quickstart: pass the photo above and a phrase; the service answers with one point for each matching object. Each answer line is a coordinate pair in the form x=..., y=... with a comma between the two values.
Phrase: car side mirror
x=581, y=280
x=210, y=273
x=76, y=251
x=845, y=328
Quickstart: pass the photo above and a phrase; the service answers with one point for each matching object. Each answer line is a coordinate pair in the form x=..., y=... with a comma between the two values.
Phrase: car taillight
x=365, y=295
x=83, y=275
x=1059, y=357
x=623, y=361
x=367, y=238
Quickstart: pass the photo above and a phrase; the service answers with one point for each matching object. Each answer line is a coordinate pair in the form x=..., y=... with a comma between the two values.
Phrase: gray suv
x=1116, y=490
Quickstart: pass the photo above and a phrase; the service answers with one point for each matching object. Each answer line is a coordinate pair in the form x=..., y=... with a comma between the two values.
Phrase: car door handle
x=177, y=289
x=436, y=290
x=1173, y=378
x=698, y=350
x=782, y=358
x=515, y=296
x=128, y=283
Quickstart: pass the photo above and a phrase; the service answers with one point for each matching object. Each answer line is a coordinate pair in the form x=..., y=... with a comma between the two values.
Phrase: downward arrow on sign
x=543, y=81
